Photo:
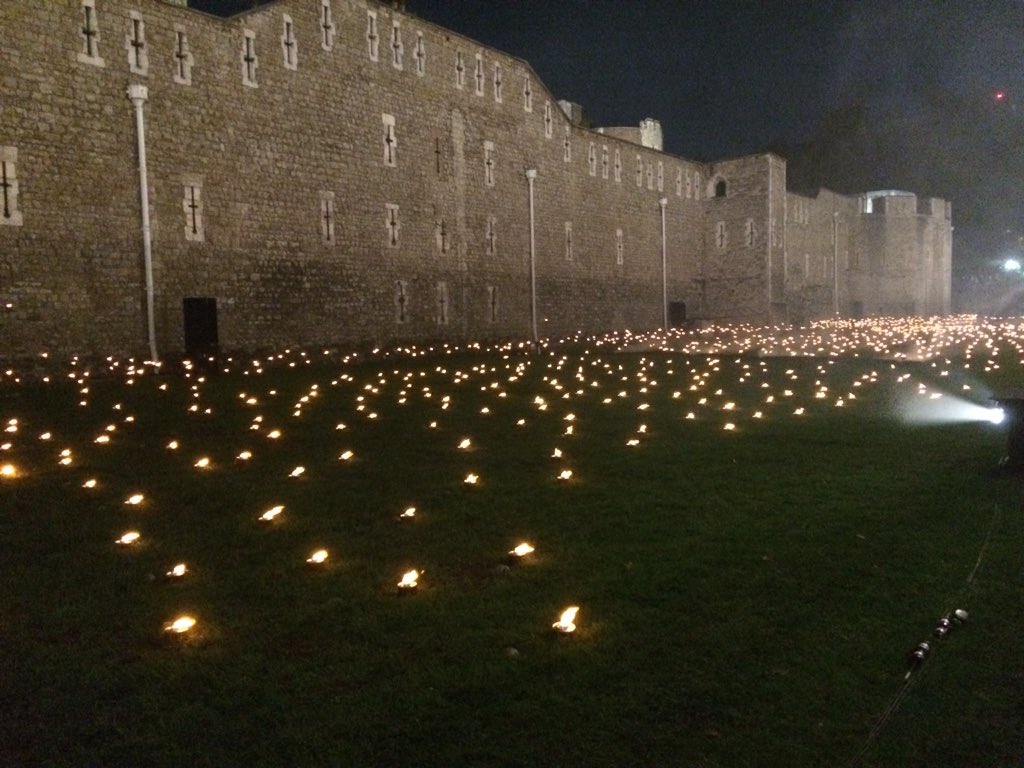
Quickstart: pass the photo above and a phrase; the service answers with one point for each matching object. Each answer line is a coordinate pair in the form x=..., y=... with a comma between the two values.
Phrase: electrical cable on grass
x=911, y=678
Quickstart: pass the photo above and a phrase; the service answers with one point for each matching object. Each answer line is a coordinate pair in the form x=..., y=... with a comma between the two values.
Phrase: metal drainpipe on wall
x=138, y=95
x=531, y=174
x=835, y=262
x=664, y=267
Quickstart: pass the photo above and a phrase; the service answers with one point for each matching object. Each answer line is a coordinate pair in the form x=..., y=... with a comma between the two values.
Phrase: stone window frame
x=492, y=303
x=328, y=217
x=498, y=83
x=443, y=303
x=696, y=186
x=460, y=70
x=192, y=205
x=649, y=170
x=372, y=35
x=184, y=60
x=617, y=166
x=639, y=171
x=401, y=301
x=397, y=48
x=328, y=30
x=478, y=74
x=442, y=237
x=389, y=140
x=89, y=30
x=392, y=224
x=567, y=144
x=661, y=176
x=135, y=43
x=491, y=236
x=620, y=247
x=679, y=182
x=420, y=54
x=592, y=159
x=527, y=95
x=750, y=233
x=10, y=214
x=689, y=186
x=549, y=121
x=721, y=236
x=604, y=161
x=568, y=241
x=289, y=43
x=250, y=60
x=489, y=163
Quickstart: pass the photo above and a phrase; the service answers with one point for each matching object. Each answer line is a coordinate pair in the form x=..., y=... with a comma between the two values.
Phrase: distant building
x=338, y=171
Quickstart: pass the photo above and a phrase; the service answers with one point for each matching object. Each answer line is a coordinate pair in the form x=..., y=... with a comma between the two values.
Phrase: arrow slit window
x=10, y=215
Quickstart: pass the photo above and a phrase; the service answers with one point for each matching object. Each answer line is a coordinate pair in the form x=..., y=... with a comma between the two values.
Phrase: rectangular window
x=568, y=241
x=491, y=236
x=492, y=303
x=372, y=37
x=391, y=222
x=327, y=30
x=527, y=95
x=401, y=301
x=639, y=172
x=750, y=232
x=460, y=70
x=478, y=74
x=249, y=60
x=396, y=45
x=689, y=186
x=90, y=32
x=327, y=217
x=661, y=176
x=390, y=141
x=604, y=161
x=618, y=165
x=650, y=175
x=489, y=163
x=289, y=45
x=443, y=237
x=192, y=205
x=720, y=237
x=679, y=182
x=421, y=55
x=567, y=144
x=183, y=59
x=548, y=120
x=592, y=159
x=619, y=247
x=442, y=303
x=497, y=82
x=135, y=42
x=10, y=215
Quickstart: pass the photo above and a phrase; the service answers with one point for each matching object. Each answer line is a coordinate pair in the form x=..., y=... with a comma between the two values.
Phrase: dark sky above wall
x=917, y=78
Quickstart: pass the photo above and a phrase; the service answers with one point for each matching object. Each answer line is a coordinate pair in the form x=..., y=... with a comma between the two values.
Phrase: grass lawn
x=748, y=595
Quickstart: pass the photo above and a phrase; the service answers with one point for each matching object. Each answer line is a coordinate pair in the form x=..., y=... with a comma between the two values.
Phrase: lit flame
x=180, y=625
x=471, y=479
x=346, y=456
x=177, y=571
x=203, y=463
x=409, y=512
x=135, y=499
x=298, y=471
x=129, y=538
x=565, y=474
x=409, y=580
x=271, y=513
x=317, y=557
x=8, y=470
x=522, y=550
x=565, y=621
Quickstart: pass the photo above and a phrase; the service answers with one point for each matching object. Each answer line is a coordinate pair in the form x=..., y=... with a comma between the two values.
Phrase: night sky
x=907, y=89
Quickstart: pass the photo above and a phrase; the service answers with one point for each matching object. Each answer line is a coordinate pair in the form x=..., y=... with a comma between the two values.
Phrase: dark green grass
x=747, y=597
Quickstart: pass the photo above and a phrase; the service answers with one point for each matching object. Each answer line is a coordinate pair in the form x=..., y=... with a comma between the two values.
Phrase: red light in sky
x=1000, y=95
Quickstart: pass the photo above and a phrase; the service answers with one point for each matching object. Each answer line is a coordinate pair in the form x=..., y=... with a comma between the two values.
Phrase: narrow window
x=497, y=82
x=689, y=186
x=327, y=218
x=750, y=232
x=489, y=163
x=478, y=74
x=567, y=144
x=650, y=175
x=192, y=205
x=401, y=301
x=592, y=159
x=720, y=239
x=639, y=172
x=289, y=46
x=492, y=303
x=90, y=32
x=442, y=303
x=696, y=186
x=396, y=45
x=390, y=141
x=372, y=38
x=720, y=188
x=135, y=42
x=527, y=95
x=438, y=155
x=548, y=120
x=327, y=30
x=11, y=216
x=183, y=59
x=442, y=236
x=391, y=222
x=421, y=55
x=491, y=236
x=619, y=247
x=604, y=161
x=249, y=61
x=568, y=241
x=679, y=182
x=661, y=176
x=460, y=70
x=618, y=165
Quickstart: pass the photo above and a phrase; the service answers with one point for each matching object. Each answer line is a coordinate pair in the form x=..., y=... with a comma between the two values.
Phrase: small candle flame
x=177, y=571
x=180, y=625
x=410, y=580
x=317, y=557
x=565, y=621
x=129, y=538
x=271, y=513
x=522, y=550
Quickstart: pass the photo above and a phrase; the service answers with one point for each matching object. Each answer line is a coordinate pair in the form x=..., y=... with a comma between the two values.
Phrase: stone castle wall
x=335, y=171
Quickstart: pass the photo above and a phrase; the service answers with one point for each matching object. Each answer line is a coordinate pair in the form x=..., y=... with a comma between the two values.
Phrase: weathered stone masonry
x=335, y=171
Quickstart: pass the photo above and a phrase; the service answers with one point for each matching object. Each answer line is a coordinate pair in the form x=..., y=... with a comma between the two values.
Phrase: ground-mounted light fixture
x=1012, y=405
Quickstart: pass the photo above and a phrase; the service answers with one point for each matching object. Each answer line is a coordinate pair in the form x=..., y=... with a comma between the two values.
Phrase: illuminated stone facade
x=336, y=171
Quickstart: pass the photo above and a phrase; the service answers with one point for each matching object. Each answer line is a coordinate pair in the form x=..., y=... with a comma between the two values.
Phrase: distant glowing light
x=297, y=472
x=135, y=499
x=177, y=571
x=180, y=625
x=566, y=622
x=565, y=474
x=471, y=479
x=129, y=538
x=522, y=550
x=410, y=580
x=409, y=513
x=272, y=513
x=318, y=557
x=9, y=471
x=1011, y=265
